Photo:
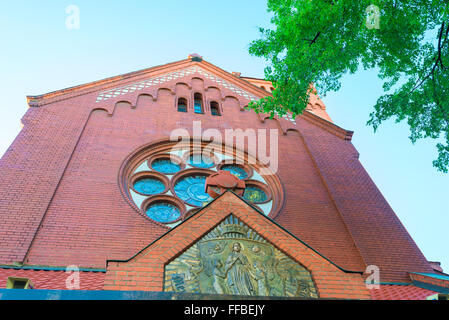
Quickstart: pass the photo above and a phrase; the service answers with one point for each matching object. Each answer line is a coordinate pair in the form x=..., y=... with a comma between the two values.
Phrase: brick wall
x=378, y=233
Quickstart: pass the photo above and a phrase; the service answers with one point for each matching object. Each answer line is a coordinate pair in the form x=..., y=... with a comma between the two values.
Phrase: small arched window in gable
x=215, y=109
x=198, y=103
x=182, y=105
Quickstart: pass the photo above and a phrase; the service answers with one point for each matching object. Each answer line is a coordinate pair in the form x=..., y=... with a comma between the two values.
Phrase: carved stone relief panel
x=233, y=259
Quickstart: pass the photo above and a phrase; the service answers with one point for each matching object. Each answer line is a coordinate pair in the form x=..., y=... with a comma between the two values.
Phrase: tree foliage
x=316, y=42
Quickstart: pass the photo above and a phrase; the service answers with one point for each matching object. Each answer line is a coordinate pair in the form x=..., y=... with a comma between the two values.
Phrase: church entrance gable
x=233, y=259
x=230, y=248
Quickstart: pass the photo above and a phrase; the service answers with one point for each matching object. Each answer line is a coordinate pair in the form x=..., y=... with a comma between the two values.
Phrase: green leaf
x=317, y=42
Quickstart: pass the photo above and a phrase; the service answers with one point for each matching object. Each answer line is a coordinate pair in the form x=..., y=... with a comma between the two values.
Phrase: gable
x=146, y=270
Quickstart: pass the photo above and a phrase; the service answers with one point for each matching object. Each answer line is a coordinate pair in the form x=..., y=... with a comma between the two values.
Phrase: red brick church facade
x=69, y=194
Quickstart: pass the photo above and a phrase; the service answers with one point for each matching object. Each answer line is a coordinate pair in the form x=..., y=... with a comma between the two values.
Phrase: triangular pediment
x=200, y=256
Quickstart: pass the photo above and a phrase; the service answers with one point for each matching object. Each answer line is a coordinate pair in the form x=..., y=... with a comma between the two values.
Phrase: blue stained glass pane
x=191, y=189
x=214, y=111
x=149, y=186
x=200, y=161
x=163, y=212
x=165, y=166
x=237, y=171
x=255, y=194
x=197, y=106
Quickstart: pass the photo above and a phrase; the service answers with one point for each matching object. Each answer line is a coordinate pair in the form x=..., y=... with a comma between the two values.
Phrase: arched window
x=182, y=105
x=198, y=103
x=263, y=88
x=215, y=109
x=272, y=89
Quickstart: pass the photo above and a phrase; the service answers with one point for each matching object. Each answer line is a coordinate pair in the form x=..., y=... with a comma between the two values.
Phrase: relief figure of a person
x=238, y=276
x=217, y=276
x=260, y=276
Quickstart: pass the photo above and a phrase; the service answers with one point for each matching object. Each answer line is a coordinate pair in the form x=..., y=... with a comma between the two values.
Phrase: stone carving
x=233, y=259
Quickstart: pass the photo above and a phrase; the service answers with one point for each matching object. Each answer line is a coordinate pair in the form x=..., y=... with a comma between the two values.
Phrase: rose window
x=167, y=184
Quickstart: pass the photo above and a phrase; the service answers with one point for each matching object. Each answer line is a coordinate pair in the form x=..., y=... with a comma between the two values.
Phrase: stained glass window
x=182, y=105
x=163, y=212
x=237, y=171
x=214, y=108
x=197, y=103
x=200, y=161
x=165, y=166
x=191, y=189
x=197, y=106
x=149, y=186
x=255, y=194
x=188, y=185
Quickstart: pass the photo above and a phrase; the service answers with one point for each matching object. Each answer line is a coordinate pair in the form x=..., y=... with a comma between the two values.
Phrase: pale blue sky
x=39, y=54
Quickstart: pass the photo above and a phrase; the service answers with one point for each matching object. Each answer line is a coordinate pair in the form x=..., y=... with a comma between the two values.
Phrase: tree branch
x=437, y=102
x=313, y=40
x=437, y=59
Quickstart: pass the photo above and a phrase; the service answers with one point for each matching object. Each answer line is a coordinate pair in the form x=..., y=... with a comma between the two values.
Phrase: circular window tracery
x=192, y=190
x=166, y=166
x=256, y=192
x=149, y=183
x=198, y=160
x=164, y=212
x=236, y=170
x=169, y=182
x=149, y=186
x=163, y=208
